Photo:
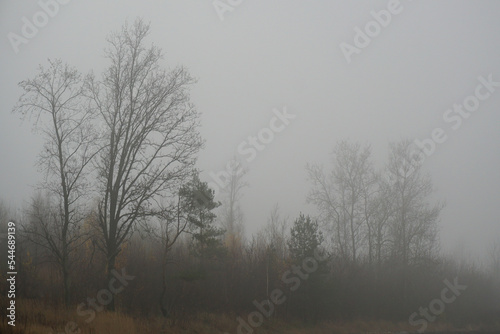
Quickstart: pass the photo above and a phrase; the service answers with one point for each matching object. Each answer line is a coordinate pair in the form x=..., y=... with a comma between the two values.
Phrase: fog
x=258, y=58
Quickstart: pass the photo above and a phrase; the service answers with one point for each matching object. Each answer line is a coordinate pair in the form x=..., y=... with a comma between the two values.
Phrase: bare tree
x=414, y=222
x=494, y=263
x=323, y=195
x=343, y=196
x=150, y=135
x=55, y=99
x=353, y=176
x=274, y=246
x=232, y=215
x=276, y=233
x=378, y=221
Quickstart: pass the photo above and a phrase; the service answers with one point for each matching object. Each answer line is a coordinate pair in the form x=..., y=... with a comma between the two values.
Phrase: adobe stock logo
x=437, y=305
x=292, y=278
x=456, y=115
x=104, y=297
x=31, y=27
x=248, y=150
x=373, y=28
x=224, y=6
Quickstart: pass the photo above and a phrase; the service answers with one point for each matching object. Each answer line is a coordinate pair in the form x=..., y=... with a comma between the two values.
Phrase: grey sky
x=271, y=54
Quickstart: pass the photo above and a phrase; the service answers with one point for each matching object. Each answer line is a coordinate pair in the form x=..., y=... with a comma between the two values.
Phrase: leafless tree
x=380, y=212
x=273, y=239
x=276, y=233
x=414, y=223
x=232, y=215
x=55, y=99
x=150, y=135
x=494, y=260
x=343, y=196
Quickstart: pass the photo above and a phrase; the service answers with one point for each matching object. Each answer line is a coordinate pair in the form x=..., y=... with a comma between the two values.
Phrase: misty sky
x=269, y=55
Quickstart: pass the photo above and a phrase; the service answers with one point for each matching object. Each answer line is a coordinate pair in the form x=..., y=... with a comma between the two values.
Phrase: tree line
x=121, y=192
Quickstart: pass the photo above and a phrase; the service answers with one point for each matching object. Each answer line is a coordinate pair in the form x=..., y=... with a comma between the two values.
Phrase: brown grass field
x=35, y=318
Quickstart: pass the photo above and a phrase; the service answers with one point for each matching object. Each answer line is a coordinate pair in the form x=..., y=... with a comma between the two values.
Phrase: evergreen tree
x=305, y=238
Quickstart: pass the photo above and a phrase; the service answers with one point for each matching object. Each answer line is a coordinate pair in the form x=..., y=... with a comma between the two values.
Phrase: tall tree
x=232, y=215
x=150, y=135
x=413, y=224
x=190, y=214
x=231, y=220
x=380, y=213
x=275, y=233
x=414, y=219
x=305, y=239
x=55, y=99
x=207, y=238
x=344, y=196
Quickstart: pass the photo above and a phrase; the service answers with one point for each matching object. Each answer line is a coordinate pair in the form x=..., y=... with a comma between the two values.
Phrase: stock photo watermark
x=455, y=116
x=11, y=273
x=248, y=150
x=225, y=6
x=103, y=298
x=437, y=306
x=30, y=27
x=363, y=37
x=293, y=278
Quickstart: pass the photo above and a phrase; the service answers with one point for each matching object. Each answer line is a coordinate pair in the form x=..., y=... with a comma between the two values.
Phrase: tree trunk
x=110, y=268
x=66, y=283
x=163, y=308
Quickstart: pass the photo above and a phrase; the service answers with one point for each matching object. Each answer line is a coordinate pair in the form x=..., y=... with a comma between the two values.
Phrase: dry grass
x=36, y=318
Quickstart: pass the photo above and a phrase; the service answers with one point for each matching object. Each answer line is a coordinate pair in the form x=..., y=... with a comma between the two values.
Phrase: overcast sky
x=254, y=58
